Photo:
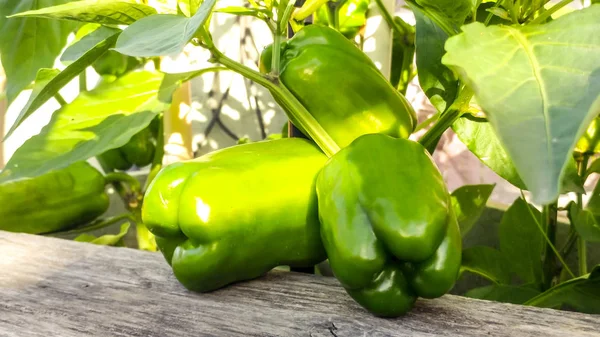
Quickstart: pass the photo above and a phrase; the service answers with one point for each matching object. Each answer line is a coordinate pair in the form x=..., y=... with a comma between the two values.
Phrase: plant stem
x=278, y=36
x=581, y=245
x=461, y=104
x=550, y=244
x=545, y=15
x=93, y=226
x=60, y=99
x=83, y=81
x=120, y=177
x=549, y=213
x=293, y=108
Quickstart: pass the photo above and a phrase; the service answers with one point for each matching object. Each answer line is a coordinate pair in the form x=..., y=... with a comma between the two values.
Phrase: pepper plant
x=517, y=81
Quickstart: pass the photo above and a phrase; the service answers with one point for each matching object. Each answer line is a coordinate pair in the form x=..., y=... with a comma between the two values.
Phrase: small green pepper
x=54, y=201
x=340, y=86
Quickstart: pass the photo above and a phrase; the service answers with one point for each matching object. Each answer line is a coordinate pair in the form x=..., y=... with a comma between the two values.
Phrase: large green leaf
x=96, y=121
x=437, y=81
x=28, y=44
x=50, y=87
x=479, y=137
x=503, y=293
x=163, y=34
x=581, y=294
x=487, y=262
x=107, y=12
x=521, y=241
x=539, y=86
x=469, y=202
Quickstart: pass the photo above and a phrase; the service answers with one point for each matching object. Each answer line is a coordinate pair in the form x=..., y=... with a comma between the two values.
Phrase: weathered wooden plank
x=53, y=287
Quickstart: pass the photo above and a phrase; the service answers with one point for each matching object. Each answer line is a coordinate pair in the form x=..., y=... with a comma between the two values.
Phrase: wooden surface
x=53, y=287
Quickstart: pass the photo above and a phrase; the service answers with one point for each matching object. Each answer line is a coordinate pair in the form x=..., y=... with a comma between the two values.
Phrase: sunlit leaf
x=520, y=84
x=107, y=12
x=50, y=87
x=96, y=121
x=162, y=34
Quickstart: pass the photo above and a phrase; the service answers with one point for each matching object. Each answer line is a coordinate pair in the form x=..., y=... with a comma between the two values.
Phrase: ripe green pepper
x=236, y=213
x=340, y=86
x=54, y=201
x=387, y=224
x=139, y=151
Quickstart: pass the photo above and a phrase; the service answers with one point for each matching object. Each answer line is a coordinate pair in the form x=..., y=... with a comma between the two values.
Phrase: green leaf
x=87, y=42
x=582, y=294
x=585, y=223
x=105, y=240
x=480, y=139
x=487, y=262
x=106, y=12
x=52, y=86
x=503, y=293
x=96, y=121
x=456, y=11
x=163, y=34
x=188, y=7
x=171, y=82
x=239, y=10
x=437, y=81
x=539, y=87
x=469, y=202
x=521, y=241
x=28, y=44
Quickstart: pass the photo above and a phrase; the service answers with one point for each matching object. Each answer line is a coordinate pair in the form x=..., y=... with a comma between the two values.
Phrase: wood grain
x=53, y=287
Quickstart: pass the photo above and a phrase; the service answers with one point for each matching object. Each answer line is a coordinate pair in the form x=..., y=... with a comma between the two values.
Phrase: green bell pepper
x=387, y=224
x=340, y=86
x=236, y=213
x=139, y=151
x=54, y=201
x=113, y=63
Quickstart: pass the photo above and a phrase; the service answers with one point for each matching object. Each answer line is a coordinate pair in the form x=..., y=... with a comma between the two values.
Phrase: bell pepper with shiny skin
x=54, y=201
x=340, y=86
x=236, y=213
x=387, y=224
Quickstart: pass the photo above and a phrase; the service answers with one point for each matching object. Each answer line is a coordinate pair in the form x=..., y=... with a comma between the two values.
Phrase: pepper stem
x=296, y=112
x=461, y=104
